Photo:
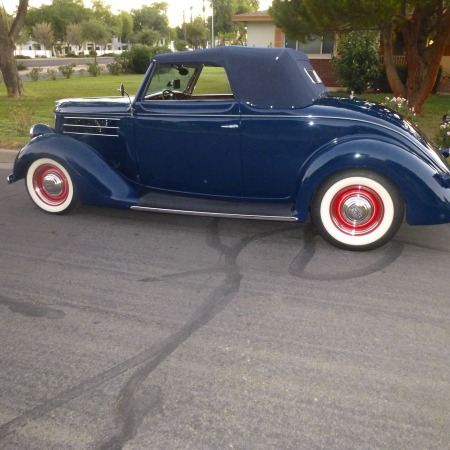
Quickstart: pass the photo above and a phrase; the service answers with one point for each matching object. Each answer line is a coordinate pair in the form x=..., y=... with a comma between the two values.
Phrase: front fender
x=96, y=181
x=426, y=191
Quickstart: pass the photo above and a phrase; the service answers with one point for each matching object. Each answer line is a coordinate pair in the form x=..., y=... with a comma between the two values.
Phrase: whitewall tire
x=358, y=210
x=50, y=186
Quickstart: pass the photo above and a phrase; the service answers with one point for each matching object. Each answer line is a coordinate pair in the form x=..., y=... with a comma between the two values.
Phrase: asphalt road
x=131, y=330
x=55, y=62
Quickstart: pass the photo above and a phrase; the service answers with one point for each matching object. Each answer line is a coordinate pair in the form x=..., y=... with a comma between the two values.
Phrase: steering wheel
x=167, y=94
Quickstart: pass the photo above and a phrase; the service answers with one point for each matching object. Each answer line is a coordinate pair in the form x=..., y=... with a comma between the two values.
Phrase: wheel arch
x=96, y=181
x=417, y=182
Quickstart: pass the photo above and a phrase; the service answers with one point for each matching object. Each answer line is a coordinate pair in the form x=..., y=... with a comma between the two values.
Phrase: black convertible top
x=262, y=77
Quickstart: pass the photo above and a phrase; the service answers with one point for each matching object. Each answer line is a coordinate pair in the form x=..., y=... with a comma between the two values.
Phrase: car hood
x=94, y=105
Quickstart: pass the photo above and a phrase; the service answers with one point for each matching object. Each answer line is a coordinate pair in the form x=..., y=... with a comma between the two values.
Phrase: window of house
x=319, y=46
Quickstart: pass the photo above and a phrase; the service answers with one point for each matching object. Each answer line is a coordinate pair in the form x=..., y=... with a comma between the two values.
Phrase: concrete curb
x=7, y=157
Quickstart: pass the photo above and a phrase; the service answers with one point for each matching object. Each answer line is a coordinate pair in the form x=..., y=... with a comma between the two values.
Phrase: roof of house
x=256, y=16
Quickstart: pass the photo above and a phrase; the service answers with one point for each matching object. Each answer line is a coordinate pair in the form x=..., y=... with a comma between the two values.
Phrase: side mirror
x=122, y=90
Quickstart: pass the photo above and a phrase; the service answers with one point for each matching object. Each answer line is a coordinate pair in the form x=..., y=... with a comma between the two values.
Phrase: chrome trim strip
x=171, y=114
x=93, y=118
x=89, y=126
x=91, y=134
x=213, y=214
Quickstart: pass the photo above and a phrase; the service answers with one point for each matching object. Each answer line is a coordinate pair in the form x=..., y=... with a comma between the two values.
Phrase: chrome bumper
x=10, y=179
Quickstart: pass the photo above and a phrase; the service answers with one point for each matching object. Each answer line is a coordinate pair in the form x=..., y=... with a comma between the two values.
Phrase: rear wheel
x=50, y=186
x=358, y=210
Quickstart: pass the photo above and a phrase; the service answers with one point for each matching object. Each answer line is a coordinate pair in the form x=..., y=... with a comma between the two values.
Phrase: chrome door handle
x=235, y=125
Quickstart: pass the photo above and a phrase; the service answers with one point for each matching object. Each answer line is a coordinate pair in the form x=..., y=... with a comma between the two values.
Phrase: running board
x=214, y=214
x=192, y=206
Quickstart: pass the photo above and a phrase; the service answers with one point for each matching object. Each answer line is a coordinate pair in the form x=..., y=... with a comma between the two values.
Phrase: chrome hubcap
x=52, y=184
x=357, y=209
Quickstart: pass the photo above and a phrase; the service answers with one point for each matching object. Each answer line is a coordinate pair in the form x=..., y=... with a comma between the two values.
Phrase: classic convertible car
x=240, y=132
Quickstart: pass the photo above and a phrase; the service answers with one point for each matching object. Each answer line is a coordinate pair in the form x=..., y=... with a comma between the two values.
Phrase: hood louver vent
x=92, y=126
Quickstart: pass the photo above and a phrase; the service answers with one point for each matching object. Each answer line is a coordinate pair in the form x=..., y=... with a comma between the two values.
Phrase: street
x=55, y=62
x=122, y=329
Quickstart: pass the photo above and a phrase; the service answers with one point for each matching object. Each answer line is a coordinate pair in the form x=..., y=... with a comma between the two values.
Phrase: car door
x=188, y=143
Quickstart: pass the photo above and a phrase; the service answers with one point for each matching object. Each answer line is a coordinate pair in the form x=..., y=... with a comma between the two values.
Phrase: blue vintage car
x=240, y=132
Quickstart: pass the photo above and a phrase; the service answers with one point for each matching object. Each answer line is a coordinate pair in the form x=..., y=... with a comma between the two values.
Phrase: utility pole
x=212, y=24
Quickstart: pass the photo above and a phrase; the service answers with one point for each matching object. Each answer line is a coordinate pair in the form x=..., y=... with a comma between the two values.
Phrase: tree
x=223, y=12
x=126, y=25
x=146, y=36
x=96, y=32
x=196, y=33
x=9, y=33
x=74, y=35
x=60, y=14
x=43, y=33
x=151, y=17
x=102, y=13
x=423, y=26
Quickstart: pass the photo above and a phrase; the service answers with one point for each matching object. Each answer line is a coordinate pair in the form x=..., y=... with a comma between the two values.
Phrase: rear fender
x=96, y=181
x=425, y=191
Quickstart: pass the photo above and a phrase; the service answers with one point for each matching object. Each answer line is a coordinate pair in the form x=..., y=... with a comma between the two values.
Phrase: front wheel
x=358, y=210
x=50, y=186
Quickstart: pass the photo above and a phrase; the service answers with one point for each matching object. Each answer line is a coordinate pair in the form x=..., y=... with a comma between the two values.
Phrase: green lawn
x=17, y=115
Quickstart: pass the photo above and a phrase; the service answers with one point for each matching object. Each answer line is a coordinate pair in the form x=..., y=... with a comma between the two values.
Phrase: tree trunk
x=396, y=84
x=8, y=67
x=423, y=57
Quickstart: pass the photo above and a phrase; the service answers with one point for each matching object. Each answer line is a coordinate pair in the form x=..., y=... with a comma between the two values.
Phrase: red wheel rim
x=357, y=210
x=50, y=184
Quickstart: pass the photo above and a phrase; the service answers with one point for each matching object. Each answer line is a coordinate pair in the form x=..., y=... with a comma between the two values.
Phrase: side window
x=188, y=82
x=212, y=82
x=169, y=80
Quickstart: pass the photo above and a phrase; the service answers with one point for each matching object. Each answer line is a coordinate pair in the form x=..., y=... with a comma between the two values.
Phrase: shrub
x=23, y=118
x=71, y=55
x=181, y=45
x=52, y=73
x=401, y=105
x=22, y=57
x=34, y=73
x=443, y=137
x=137, y=59
x=94, y=69
x=357, y=64
x=67, y=70
x=114, y=68
x=21, y=66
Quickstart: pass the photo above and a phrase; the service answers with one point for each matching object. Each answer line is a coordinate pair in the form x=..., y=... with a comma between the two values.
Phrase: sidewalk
x=7, y=158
